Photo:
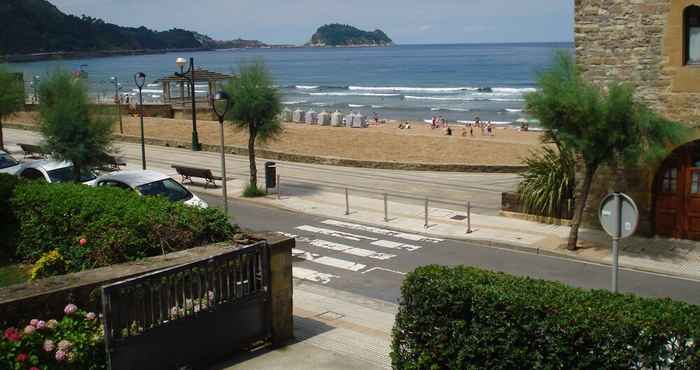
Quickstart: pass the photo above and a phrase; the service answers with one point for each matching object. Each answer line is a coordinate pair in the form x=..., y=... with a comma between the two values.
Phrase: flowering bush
x=74, y=342
x=50, y=264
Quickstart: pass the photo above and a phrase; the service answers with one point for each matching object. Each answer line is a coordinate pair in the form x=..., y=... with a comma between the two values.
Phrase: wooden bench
x=188, y=173
x=33, y=151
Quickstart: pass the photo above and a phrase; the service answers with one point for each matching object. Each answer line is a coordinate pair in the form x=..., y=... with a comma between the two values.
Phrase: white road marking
x=351, y=250
x=311, y=275
x=334, y=233
x=328, y=261
x=385, y=232
x=383, y=269
x=394, y=245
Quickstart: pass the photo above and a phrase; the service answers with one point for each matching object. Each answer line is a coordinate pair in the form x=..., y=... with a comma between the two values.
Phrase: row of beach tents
x=336, y=119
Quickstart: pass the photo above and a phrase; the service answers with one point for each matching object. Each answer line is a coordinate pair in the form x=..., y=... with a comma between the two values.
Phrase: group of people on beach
x=487, y=129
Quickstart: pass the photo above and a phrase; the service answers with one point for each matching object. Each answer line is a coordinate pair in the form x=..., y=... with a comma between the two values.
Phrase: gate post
x=280, y=268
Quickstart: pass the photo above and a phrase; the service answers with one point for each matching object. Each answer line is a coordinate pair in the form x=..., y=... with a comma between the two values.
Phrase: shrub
x=464, y=318
x=252, y=191
x=94, y=227
x=548, y=182
x=75, y=342
x=49, y=264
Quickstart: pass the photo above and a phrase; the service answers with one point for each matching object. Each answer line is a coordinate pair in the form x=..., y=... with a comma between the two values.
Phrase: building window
x=691, y=17
x=670, y=181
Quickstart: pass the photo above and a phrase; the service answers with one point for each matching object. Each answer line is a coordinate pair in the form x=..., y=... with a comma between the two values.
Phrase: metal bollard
x=279, y=187
x=386, y=208
x=469, y=217
x=347, y=202
x=426, y=213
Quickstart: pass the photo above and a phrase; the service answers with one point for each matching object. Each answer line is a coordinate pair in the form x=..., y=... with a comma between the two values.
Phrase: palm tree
x=256, y=106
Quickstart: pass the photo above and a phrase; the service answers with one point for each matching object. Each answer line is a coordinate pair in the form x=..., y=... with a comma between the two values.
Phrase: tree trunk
x=76, y=173
x=581, y=206
x=2, y=139
x=251, y=156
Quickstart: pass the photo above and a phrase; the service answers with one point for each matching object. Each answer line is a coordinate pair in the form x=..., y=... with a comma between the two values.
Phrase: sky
x=294, y=21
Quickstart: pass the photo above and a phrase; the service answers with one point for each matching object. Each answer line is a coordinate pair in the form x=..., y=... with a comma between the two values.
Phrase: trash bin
x=270, y=175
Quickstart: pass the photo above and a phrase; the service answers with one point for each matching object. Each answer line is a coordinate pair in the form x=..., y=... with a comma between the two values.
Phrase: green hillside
x=345, y=35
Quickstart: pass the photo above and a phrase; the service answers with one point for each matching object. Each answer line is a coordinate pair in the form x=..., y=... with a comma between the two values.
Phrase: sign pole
x=619, y=217
x=616, y=241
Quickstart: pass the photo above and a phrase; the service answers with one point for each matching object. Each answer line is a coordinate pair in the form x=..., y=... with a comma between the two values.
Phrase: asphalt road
x=372, y=261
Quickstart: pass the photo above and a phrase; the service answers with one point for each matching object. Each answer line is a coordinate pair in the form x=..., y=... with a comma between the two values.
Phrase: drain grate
x=459, y=217
x=330, y=316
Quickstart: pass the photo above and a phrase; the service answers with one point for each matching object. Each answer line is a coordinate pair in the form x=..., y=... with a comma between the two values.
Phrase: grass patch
x=14, y=274
x=251, y=191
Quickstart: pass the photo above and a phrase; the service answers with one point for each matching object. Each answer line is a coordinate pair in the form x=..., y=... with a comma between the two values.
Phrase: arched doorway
x=677, y=194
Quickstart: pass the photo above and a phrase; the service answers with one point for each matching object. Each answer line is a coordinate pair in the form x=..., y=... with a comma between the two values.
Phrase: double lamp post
x=190, y=77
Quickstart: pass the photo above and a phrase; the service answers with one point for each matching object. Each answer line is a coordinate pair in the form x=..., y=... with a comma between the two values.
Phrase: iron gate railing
x=189, y=315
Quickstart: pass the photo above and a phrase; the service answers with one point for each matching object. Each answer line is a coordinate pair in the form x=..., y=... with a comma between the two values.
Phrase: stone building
x=654, y=45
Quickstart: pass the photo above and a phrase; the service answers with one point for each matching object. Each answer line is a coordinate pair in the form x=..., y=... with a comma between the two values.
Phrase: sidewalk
x=333, y=330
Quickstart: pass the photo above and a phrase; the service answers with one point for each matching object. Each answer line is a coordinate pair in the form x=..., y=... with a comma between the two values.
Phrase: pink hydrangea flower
x=49, y=345
x=33, y=322
x=70, y=309
x=29, y=330
x=41, y=324
x=34, y=368
x=90, y=316
x=22, y=357
x=52, y=324
x=60, y=355
x=64, y=345
x=12, y=334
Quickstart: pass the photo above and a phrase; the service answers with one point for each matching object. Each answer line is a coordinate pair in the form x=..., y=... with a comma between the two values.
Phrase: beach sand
x=386, y=142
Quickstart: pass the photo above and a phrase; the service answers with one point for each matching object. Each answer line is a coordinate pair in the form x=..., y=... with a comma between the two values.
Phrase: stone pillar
x=281, y=288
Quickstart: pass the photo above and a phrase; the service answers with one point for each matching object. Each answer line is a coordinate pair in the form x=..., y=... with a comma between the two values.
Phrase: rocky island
x=343, y=35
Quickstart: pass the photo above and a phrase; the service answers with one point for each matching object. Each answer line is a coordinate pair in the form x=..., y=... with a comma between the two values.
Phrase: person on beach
x=376, y=118
x=448, y=131
x=489, y=129
x=464, y=132
x=471, y=129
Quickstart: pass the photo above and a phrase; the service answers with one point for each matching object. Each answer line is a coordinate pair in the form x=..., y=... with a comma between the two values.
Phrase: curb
x=492, y=244
x=321, y=160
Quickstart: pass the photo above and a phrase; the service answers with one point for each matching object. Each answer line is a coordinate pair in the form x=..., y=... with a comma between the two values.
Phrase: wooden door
x=692, y=204
x=669, y=202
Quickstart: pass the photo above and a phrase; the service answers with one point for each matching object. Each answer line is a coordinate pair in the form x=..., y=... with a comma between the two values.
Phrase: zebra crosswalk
x=335, y=250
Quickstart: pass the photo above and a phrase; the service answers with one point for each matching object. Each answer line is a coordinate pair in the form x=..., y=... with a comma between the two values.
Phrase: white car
x=8, y=164
x=151, y=183
x=53, y=171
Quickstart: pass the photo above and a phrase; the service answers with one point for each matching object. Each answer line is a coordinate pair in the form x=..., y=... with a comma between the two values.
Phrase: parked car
x=151, y=183
x=53, y=171
x=8, y=164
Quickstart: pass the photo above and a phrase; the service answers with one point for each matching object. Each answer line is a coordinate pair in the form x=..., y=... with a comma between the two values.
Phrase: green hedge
x=118, y=225
x=464, y=318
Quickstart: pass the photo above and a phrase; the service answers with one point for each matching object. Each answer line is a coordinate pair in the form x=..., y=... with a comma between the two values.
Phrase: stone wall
x=641, y=43
x=149, y=110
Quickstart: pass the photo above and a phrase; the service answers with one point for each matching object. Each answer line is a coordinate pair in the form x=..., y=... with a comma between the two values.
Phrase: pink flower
x=82, y=241
x=52, y=324
x=33, y=322
x=70, y=309
x=90, y=316
x=64, y=345
x=49, y=345
x=29, y=330
x=13, y=335
x=41, y=324
x=60, y=355
x=22, y=357
x=34, y=368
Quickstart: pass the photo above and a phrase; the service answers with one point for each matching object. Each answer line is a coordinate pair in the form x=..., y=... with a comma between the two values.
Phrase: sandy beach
x=385, y=142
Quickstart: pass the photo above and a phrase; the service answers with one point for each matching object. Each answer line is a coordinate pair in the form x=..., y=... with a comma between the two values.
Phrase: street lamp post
x=140, y=80
x=222, y=98
x=180, y=62
x=117, y=99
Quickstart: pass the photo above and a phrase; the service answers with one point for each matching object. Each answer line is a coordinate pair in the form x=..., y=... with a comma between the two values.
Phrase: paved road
x=483, y=190
x=371, y=261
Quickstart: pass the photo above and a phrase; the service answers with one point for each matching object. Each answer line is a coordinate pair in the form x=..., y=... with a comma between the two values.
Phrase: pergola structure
x=182, y=97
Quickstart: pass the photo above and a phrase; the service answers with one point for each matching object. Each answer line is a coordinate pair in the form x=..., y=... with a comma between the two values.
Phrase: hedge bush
x=464, y=318
x=94, y=227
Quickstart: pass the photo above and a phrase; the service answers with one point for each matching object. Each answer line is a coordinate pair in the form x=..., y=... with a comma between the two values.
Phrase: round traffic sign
x=618, y=215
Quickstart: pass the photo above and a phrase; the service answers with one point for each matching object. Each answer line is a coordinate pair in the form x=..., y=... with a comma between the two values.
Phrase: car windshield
x=168, y=188
x=7, y=161
x=65, y=174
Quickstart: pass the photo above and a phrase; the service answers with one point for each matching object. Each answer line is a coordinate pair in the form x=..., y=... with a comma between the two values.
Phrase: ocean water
x=412, y=82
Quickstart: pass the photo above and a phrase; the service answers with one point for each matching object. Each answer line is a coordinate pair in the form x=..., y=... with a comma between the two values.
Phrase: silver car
x=53, y=171
x=151, y=183
x=8, y=164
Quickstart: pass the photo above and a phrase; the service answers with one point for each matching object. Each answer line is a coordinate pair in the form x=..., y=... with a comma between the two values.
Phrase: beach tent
x=324, y=118
x=359, y=121
x=311, y=117
x=337, y=119
x=287, y=115
x=299, y=115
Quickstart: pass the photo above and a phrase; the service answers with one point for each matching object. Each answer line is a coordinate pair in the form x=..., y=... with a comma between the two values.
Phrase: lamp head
x=221, y=102
x=140, y=79
x=180, y=62
x=113, y=79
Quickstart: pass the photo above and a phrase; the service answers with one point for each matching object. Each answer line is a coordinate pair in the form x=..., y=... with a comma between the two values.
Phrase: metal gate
x=190, y=315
